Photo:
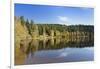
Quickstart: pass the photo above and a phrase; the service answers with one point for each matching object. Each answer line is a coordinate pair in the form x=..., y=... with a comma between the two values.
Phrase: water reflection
x=51, y=50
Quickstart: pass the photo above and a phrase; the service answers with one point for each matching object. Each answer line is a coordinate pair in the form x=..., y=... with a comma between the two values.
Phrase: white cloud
x=62, y=20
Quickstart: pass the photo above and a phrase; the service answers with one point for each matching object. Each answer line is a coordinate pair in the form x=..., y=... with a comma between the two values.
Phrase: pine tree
x=22, y=20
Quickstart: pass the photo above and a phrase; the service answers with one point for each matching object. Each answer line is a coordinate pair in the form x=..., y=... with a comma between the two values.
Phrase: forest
x=28, y=29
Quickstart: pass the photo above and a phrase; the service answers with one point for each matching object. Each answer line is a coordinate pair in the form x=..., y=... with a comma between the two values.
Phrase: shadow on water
x=27, y=50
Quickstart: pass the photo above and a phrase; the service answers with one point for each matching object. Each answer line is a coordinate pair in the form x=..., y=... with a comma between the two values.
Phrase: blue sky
x=56, y=14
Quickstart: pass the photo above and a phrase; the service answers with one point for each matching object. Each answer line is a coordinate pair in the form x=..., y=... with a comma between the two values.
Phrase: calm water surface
x=53, y=51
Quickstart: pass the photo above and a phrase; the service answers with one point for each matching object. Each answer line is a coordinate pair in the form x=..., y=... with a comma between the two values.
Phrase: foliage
x=56, y=29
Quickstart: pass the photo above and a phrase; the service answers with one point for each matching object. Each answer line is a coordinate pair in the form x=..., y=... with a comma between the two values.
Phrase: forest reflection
x=54, y=43
x=26, y=47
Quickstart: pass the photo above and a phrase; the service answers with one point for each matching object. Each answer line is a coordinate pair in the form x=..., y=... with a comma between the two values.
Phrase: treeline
x=45, y=30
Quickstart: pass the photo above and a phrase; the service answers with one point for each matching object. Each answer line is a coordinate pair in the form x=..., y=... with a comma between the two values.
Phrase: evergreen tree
x=22, y=20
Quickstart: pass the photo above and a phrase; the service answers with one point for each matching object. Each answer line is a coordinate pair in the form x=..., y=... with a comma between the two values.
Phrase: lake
x=37, y=51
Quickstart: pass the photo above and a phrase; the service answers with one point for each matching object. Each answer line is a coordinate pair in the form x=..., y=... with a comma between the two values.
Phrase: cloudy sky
x=56, y=14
